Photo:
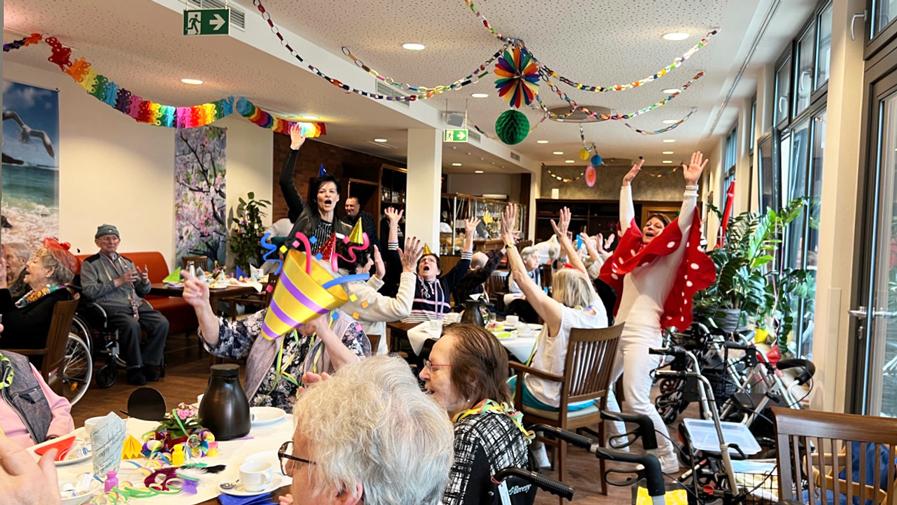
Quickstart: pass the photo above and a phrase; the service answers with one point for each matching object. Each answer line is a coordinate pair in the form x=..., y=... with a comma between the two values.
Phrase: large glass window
x=811, y=232
x=731, y=157
x=783, y=92
x=883, y=12
x=797, y=187
x=806, y=66
x=768, y=194
x=753, y=125
x=824, y=49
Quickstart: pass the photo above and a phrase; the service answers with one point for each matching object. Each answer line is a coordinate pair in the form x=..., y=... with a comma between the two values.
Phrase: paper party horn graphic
x=300, y=296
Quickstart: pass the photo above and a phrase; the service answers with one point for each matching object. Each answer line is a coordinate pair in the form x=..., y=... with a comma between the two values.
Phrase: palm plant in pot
x=749, y=286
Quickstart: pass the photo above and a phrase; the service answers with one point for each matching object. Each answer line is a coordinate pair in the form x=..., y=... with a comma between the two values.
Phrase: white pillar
x=837, y=249
x=424, y=183
x=535, y=192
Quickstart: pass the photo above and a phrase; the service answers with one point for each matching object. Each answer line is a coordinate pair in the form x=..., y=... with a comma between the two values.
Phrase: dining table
x=215, y=294
x=261, y=443
x=421, y=336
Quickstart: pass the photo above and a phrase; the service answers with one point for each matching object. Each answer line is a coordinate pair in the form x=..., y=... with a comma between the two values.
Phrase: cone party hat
x=426, y=250
x=328, y=248
x=300, y=296
x=357, y=235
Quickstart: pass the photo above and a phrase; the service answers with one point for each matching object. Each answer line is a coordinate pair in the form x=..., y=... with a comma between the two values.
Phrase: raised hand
x=410, y=254
x=633, y=172
x=297, y=138
x=590, y=242
x=393, y=215
x=509, y=220
x=564, y=217
x=609, y=242
x=692, y=171
x=380, y=271
x=470, y=225
x=196, y=292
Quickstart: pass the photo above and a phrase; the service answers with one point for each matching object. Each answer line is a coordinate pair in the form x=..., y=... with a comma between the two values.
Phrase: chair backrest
x=546, y=276
x=590, y=357
x=375, y=343
x=496, y=283
x=809, y=444
x=198, y=261
x=60, y=326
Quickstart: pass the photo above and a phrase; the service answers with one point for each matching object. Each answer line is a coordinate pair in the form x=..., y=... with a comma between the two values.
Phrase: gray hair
x=573, y=288
x=20, y=250
x=370, y=423
x=527, y=252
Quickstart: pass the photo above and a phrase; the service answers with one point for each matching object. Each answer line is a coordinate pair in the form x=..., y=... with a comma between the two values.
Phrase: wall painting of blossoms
x=200, y=193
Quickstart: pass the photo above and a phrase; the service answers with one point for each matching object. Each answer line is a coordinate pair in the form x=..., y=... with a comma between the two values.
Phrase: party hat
x=322, y=172
x=427, y=249
x=240, y=274
x=356, y=236
x=327, y=248
x=299, y=296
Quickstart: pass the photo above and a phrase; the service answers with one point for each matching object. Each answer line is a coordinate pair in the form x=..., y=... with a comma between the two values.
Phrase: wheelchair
x=77, y=368
x=90, y=325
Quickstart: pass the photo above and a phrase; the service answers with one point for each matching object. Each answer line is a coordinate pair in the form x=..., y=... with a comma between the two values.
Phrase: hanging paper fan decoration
x=591, y=176
x=512, y=127
x=584, y=154
x=518, y=77
x=596, y=160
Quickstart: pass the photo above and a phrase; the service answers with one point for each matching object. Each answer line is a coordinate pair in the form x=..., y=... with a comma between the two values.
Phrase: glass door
x=875, y=391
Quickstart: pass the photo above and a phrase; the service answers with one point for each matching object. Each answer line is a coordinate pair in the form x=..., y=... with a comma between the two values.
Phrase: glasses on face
x=285, y=454
x=429, y=365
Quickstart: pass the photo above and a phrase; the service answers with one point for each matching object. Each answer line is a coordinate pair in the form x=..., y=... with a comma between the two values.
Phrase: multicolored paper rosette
x=518, y=77
x=591, y=175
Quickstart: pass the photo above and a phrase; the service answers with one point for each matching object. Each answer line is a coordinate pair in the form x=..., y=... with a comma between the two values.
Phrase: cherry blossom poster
x=200, y=193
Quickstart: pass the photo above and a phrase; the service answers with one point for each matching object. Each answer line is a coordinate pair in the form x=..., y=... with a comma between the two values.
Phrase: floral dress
x=299, y=354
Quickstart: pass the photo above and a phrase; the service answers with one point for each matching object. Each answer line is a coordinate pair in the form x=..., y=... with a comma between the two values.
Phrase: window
x=753, y=125
x=767, y=171
x=783, y=92
x=883, y=12
x=730, y=160
x=824, y=47
x=803, y=79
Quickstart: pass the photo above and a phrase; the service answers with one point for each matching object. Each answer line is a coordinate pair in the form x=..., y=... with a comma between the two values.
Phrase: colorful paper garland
x=566, y=180
x=662, y=130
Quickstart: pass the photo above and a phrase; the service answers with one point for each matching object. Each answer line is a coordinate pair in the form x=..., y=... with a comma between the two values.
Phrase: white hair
x=370, y=423
x=478, y=260
x=526, y=252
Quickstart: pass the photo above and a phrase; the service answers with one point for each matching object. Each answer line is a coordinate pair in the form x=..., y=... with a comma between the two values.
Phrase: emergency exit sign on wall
x=455, y=135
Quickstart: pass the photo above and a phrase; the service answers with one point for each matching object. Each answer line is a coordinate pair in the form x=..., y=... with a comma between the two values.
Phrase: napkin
x=264, y=499
x=173, y=276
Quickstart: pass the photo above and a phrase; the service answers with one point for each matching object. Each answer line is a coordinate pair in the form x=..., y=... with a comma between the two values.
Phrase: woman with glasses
x=467, y=373
x=368, y=435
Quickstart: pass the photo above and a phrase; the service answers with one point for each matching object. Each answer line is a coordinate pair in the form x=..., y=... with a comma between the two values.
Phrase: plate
x=215, y=288
x=267, y=457
x=79, y=434
x=263, y=416
x=239, y=491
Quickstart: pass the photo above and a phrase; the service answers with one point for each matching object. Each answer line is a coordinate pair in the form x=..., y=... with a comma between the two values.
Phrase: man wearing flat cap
x=117, y=285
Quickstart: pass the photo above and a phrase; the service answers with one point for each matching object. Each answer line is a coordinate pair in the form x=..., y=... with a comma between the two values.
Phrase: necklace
x=488, y=405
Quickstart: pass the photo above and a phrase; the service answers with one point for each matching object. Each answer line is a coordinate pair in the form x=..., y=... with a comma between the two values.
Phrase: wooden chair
x=57, y=338
x=198, y=261
x=815, y=447
x=375, y=343
x=587, y=368
x=261, y=299
x=496, y=286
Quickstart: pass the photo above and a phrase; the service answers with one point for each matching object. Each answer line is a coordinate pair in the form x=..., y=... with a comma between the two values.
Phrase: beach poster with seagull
x=30, y=178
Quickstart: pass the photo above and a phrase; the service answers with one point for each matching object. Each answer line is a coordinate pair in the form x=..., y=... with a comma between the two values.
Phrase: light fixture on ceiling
x=671, y=91
x=675, y=36
x=191, y=81
x=414, y=46
x=667, y=152
x=480, y=95
x=541, y=141
x=569, y=161
x=670, y=121
x=380, y=141
x=667, y=161
x=309, y=117
x=456, y=164
x=669, y=141
x=558, y=153
x=478, y=171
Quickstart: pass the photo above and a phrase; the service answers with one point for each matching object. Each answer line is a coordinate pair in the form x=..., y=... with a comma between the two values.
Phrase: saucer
x=263, y=416
x=239, y=491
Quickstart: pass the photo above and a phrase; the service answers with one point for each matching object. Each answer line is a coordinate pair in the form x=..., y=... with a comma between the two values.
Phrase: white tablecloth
x=520, y=347
x=231, y=453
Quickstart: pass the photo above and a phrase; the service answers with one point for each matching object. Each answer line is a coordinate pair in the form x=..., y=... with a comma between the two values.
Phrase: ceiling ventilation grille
x=515, y=156
x=386, y=89
x=472, y=135
x=237, y=15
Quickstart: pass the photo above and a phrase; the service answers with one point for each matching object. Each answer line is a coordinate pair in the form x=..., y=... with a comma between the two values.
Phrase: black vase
x=224, y=409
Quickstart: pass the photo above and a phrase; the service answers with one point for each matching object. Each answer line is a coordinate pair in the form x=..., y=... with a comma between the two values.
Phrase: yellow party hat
x=427, y=249
x=356, y=236
x=299, y=296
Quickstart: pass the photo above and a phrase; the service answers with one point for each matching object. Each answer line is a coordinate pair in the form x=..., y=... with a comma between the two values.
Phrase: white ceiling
x=138, y=44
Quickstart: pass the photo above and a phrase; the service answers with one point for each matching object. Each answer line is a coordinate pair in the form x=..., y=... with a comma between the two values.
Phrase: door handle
x=859, y=313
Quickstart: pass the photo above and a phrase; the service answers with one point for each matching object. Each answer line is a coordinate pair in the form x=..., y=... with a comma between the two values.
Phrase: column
x=423, y=195
x=837, y=249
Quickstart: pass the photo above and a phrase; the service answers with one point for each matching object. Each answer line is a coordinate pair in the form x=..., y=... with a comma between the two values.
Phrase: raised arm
x=692, y=173
x=547, y=308
x=287, y=186
x=627, y=211
x=560, y=230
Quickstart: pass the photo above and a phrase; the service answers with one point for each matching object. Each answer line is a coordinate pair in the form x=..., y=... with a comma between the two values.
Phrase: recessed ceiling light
x=310, y=118
x=669, y=141
x=558, y=153
x=478, y=171
x=671, y=91
x=670, y=121
x=668, y=152
x=569, y=161
x=541, y=141
x=667, y=161
x=414, y=46
x=675, y=36
x=381, y=141
x=191, y=81
x=456, y=164
x=480, y=95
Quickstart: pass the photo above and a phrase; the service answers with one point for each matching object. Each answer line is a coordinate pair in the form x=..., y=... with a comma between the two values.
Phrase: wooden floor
x=187, y=375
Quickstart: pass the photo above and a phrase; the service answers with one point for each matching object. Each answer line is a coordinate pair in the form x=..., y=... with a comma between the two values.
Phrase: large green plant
x=748, y=277
x=247, y=231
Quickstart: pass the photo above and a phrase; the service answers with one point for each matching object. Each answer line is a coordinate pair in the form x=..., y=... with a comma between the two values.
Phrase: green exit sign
x=207, y=22
x=455, y=135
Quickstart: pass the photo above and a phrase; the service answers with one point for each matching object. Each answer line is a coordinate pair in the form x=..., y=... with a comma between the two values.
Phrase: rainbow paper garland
x=662, y=130
x=265, y=119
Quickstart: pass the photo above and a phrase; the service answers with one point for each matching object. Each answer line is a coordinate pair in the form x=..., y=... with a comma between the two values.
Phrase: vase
x=727, y=319
x=224, y=409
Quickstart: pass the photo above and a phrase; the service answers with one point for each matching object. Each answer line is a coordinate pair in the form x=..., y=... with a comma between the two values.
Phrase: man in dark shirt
x=481, y=267
x=368, y=224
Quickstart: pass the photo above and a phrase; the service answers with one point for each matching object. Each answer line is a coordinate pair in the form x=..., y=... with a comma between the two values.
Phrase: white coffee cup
x=91, y=423
x=511, y=321
x=436, y=325
x=256, y=475
x=523, y=330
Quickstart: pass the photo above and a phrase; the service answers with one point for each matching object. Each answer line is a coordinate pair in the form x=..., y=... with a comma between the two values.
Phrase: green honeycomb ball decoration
x=512, y=127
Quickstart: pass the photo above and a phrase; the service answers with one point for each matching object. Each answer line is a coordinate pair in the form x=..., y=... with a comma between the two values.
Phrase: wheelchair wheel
x=83, y=331
x=107, y=375
x=76, y=370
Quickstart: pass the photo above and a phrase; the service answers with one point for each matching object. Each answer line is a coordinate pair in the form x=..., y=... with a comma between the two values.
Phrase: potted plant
x=247, y=231
x=748, y=287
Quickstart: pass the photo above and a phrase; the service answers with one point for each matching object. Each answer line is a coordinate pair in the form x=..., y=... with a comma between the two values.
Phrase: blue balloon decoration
x=596, y=160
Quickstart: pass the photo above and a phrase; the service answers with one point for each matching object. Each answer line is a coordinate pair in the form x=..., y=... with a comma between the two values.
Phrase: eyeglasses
x=429, y=364
x=285, y=453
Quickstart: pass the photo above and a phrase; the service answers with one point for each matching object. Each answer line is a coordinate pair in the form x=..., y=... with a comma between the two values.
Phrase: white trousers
x=635, y=364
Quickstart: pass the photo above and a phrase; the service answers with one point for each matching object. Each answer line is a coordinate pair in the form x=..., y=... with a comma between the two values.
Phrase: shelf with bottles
x=458, y=207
